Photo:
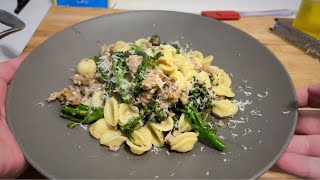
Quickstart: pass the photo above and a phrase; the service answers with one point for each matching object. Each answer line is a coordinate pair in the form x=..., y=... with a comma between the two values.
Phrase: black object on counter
x=21, y=5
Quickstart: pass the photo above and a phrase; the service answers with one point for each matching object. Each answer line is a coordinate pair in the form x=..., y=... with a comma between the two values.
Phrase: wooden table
x=303, y=69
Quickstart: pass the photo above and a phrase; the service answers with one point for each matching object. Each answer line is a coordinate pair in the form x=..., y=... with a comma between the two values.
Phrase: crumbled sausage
x=170, y=91
x=133, y=62
x=184, y=96
x=71, y=96
x=154, y=78
x=146, y=96
x=81, y=80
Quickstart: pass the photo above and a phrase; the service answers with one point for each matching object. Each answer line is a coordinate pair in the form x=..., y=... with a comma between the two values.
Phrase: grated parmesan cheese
x=155, y=150
x=241, y=105
x=286, y=112
x=41, y=104
x=255, y=113
x=247, y=93
x=266, y=93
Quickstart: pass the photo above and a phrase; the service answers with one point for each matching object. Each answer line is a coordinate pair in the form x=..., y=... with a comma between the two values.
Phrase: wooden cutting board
x=303, y=69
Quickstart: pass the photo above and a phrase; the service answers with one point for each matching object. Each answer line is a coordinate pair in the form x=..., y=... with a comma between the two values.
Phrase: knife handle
x=221, y=15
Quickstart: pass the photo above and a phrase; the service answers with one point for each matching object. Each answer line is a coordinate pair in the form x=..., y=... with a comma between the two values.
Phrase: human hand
x=12, y=162
x=302, y=157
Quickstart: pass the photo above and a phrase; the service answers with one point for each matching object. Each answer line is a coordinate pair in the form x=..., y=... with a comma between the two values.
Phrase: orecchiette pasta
x=179, y=60
x=142, y=141
x=157, y=136
x=204, y=78
x=121, y=46
x=141, y=41
x=111, y=111
x=183, y=124
x=225, y=108
x=224, y=78
x=207, y=61
x=166, y=66
x=113, y=139
x=223, y=90
x=87, y=67
x=184, y=142
x=188, y=71
x=167, y=50
x=125, y=114
x=165, y=125
x=98, y=128
x=181, y=80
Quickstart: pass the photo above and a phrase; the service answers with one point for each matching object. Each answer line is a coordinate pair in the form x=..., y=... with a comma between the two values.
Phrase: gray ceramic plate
x=59, y=152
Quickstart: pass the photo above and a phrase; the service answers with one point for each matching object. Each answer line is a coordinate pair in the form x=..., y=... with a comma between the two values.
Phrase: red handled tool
x=235, y=15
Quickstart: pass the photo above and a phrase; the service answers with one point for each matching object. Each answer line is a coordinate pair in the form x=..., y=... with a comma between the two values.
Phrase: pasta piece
x=183, y=124
x=196, y=58
x=87, y=67
x=215, y=80
x=204, y=79
x=167, y=50
x=224, y=78
x=98, y=128
x=223, y=90
x=104, y=49
x=125, y=114
x=142, y=141
x=188, y=71
x=196, y=54
x=184, y=142
x=111, y=111
x=179, y=60
x=166, y=66
x=113, y=139
x=151, y=52
x=140, y=41
x=157, y=136
x=97, y=100
x=207, y=61
x=121, y=46
x=224, y=108
x=165, y=125
x=181, y=80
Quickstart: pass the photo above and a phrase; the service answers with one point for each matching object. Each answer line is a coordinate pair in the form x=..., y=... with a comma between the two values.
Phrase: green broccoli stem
x=152, y=107
x=133, y=124
x=141, y=71
x=212, y=139
x=81, y=113
x=197, y=123
x=119, y=70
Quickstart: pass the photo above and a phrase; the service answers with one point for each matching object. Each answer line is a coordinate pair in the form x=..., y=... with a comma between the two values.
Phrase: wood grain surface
x=303, y=69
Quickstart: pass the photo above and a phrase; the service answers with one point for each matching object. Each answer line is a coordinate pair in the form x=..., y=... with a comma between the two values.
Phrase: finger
x=314, y=96
x=9, y=68
x=302, y=95
x=3, y=94
x=309, y=96
x=299, y=165
x=308, y=145
x=308, y=122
